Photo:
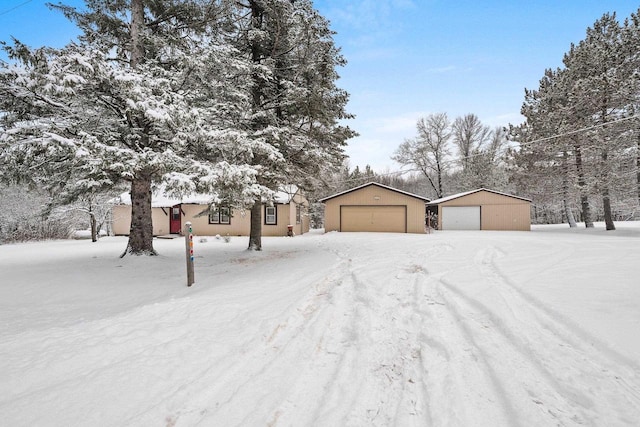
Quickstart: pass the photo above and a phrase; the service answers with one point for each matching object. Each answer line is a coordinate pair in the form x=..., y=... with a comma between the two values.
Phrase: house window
x=270, y=216
x=225, y=216
x=298, y=214
x=175, y=213
x=220, y=216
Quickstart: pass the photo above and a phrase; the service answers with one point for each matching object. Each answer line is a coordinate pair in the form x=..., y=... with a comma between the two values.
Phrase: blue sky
x=410, y=58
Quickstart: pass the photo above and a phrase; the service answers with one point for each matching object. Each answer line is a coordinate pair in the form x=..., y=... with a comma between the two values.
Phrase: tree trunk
x=638, y=168
x=584, y=199
x=255, y=234
x=257, y=96
x=565, y=191
x=606, y=200
x=137, y=22
x=606, y=203
x=141, y=232
x=568, y=214
x=439, y=171
x=94, y=226
x=425, y=172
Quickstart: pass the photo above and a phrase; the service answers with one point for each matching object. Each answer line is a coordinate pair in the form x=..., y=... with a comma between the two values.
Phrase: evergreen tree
x=578, y=121
x=295, y=104
x=550, y=119
x=595, y=69
x=142, y=97
x=631, y=94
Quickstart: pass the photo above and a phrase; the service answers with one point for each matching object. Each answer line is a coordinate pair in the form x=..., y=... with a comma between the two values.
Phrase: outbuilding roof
x=377, y=185
x=466, y=193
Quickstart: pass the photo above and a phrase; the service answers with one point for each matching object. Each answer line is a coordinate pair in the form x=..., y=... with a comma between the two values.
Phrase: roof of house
x=161, y=200
x=285, y=193
x=378, y=185
x=466, y=193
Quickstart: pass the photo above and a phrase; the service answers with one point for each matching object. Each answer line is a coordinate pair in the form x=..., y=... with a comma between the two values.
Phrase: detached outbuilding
x=482, y=209
x=375, y=207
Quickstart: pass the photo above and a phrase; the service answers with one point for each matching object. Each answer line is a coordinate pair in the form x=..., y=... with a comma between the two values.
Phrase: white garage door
x=389, y=219
x=460, y=217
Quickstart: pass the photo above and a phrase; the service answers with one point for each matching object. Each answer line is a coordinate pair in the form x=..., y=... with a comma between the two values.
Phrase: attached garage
x=375, y=207
x=482, y=209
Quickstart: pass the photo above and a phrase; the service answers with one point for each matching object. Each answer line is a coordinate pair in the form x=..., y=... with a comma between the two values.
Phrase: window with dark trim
x=298, y=214
x=270, y=215
x=220, y=216
x=175, y=213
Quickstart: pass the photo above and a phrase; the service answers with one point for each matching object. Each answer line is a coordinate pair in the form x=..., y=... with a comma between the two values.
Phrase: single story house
x=289, y=208
x=375, y=207
x=482, y=209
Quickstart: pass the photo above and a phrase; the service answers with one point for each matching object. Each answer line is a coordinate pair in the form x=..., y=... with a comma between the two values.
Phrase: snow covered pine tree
x=126, y=103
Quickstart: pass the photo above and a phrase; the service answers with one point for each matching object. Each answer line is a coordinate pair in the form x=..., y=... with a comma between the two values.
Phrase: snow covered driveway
x=448, y=329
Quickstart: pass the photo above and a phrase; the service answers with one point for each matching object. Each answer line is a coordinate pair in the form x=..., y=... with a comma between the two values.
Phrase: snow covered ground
x=339, y=329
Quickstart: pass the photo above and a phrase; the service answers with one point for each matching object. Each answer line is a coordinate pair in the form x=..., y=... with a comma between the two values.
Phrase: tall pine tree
x=127, y=103
x=296, y=105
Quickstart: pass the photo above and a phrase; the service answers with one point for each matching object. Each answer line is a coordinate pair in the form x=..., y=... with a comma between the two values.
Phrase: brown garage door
x=390, y=219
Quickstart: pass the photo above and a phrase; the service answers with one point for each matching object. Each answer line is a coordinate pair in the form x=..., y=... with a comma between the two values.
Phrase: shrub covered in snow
x=21, y=217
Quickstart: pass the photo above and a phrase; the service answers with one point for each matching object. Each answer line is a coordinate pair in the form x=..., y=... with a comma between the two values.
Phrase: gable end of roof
x=467, y=193
x=386, y=187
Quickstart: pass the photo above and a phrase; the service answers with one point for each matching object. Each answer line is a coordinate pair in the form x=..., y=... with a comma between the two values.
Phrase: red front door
x=175, y=222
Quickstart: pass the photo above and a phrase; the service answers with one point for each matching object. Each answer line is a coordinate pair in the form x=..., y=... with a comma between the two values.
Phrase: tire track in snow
x=352, y=395
x=273, y=365
x=509, y=372
x=329, y=327
x=330, y=380
x=487, y=262
x=461, y=387
x=265, y=359
x=346, y=380
x=533, y=352
x=599, y=354
x=400, y=369
x=386, y=385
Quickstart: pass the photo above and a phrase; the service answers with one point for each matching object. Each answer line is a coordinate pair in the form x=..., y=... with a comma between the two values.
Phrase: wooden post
x=188, y=238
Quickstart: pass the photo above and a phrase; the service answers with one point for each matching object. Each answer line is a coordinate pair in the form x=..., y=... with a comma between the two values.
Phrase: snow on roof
x=160, y=200
x=285, y=194
x=466, y=193
x=376, y=184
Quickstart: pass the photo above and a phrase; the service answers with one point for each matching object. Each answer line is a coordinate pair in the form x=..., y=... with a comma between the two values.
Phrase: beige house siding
x=302, y=226
x=121, y=222
x=121, y=219
x=240, y=223
x=285, y=216
x=378, y=201
x=497, y=211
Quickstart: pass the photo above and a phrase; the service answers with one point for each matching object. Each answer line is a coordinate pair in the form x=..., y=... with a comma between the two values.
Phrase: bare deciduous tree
x=428, y=151
x=469, y=134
